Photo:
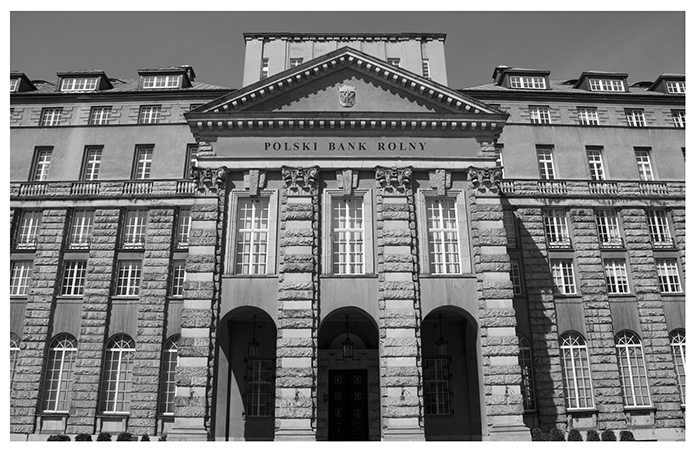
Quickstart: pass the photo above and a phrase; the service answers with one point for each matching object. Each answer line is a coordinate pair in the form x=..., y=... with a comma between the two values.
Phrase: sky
x=642, y=44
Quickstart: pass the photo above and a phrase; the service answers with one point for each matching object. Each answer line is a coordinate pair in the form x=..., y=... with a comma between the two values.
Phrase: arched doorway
x=451, y=388
x=245, y=383
x=349, y=392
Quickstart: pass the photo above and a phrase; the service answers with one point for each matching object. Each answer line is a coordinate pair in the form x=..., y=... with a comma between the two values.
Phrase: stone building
x=347, y=249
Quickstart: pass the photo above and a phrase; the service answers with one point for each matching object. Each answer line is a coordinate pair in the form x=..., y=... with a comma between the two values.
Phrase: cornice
x=627, y=97
x=61, y=97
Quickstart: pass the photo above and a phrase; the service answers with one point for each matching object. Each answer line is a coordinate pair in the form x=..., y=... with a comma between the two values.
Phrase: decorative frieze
x=347, y=180
x=254, y=180
x=440, y=180
x=208, y=179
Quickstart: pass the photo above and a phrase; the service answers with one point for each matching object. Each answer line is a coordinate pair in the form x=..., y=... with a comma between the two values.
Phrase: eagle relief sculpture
x=346, y=96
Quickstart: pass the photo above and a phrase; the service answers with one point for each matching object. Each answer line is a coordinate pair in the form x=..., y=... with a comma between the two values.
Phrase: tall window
x=58, y=381
x=396, y=62
x=545, y=161
x=78, y=84
x=28, y=230
x=42, y=162
x=588, y=116
x=509, y=224
x=80, y=229
x=633, y=373
x=678, y=350
x=100, y=115
x=527, y=386
x=149, y=114
x=555, y=228
x=91, y=166
x=348, y=235
x=608, y=228
x=540, y=115
x=669, y=278
x=659, y=230
x=643, y=158
x=73, y=278
x=436, y=386
x=519, y=82
x=14, y=84
x=499, y=157
x=117, y=374
x=161, y=81
x=595, y=164
x=635, y=117
x=252, y=228
x=678, y=119
x=607, y=85
x=169, y=364
x=191, y=159
x=129, y=278
x=134, y=234
x=265, y=68
x=426, y=68
x=675, y=87
x=515, y=276
x=577, y=372
x=443, y=236
x=14, y=356
x=616, y=276
x=142, y=163
x=50, y=117
x=295, y=62
x=178, y=278
x=259, y=387
x=184, y=221
x=20, y=276
x=563, y=275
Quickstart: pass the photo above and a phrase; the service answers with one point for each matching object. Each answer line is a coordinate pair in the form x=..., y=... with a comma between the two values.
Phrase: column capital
x=393, y=181
x=208, y=179
x=300, y=180
x=486, y=179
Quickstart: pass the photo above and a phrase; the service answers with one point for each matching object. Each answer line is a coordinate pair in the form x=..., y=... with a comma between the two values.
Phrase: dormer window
x=675, y=87
x=161, y=81
x=14, y=84
x=78, y=84
x=607, y=85
x=520, y=82
x=396, y=62
x=295, y=62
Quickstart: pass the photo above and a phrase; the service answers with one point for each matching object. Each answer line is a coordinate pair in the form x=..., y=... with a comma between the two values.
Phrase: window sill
x=239, y=275
x=673, y=295
x=582, y=411
x=640, y=409
x=447, y=275
x=350, y=275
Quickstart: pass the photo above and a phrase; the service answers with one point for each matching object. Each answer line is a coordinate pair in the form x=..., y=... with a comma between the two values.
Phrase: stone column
x=399, y=306
x=37, y=323
x=499, y=343
x=296, y=379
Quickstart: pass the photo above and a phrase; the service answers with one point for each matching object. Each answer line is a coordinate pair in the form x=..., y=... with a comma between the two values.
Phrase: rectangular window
x=436, y=388
x=177, y=287
x=348, y=235
x=20, y=276
x=14, y=84
x=142, y=163
x=616, y=276
x=678, y=118
x=190, y=159
x=396, y=62
x=259, y=387
x=28, y=230
x=588, y=116
x=669, y=278
x=265, y=68
x=294, y=62
x=73, y=278
x=595, y=163
x=659, y=230
x=443, y=236
x=50, y=117
x=608, y=228
x=78, y=84
x=675, y=87
x=184, y=220
x=607, y=85
x=563, y=275
x=91, y=166
x=100, y=115
x=555, y=228
x=129, y=278
x=149, y=114
x=252, y=230
x=515, y=276
x=545, y=161
x=80, y=230
x=134, y=234
x=517, y=82
x=426, y=68
x=499, y=157
x=635, y=118
x=540, y=115
x=161, y=81
x=509, y=224
x=42, y=163
x=643, y=158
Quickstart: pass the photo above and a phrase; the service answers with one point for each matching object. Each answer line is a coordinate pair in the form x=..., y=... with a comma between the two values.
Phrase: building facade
x=347, y=249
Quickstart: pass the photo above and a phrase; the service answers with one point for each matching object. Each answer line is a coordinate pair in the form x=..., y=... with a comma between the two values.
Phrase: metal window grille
x=527, y=385
x=78, y=84
x=678, y=351
x=644, y=165
x=515, y=276
x=443, y=236
x=577, y=371
x=161, y=81
x=588, y=116
x=253, y=234
x=28, y=229
x=527, y=82
x=540, y=115
x=100, y=115
x=595, y=164
x=259, y=387
x=563, y=276
x=679, y=119
x=50, y=117
x=117, y=375
x=74, y=278
x=20, y=277
x=509, y=224
x=436, y=389
x=555, y=228
x=144, y=161
x=134, y=234
x=42, y=164
x=608, y=228
x=669, y=279
x=129, y=278
x=178, y=283
x=633, y=373
x=58, y=382
x=167, y=377
x=184, y=222
x=93, y=161
x=675, y=87
x=545, y=160
x=81, y=229
x=635, y=118
x=658, y=228
x=607, y=85
x=348, y=235
x=149, y=114
x=616, y=276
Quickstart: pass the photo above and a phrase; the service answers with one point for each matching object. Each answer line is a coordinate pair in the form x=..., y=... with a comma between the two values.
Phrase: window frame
x=678, y=352
x=28, y=241
x=617, y=277
x=396, y=62
x=137, y=239
x=609, y=233
x=190, y=159
x=295, y=62
x=20, y=283
x=563, y=289
x=678, y=116
x=675, y=87
x=437, y=388
x=659, y=226
x=149, y=114
x=143, y=162
x=184, y=223
x=15, y=342
x=527, y=82
x=41, y=168
x=73, y=279
x=128, y=280
x=76, y=82
x=90, y=170
x=84, y=239
x=628, y=352
x=63, y=350
x=511, y=225
x=100, y=115
x=571, y=341
x=265, y=404
x=127, y=347
x=545, y=167
x=606, y=85
x=178, y=276
x=151, y=82
x=425, y=68
x=527, y=384
x=516, y=276
x=596, y=168
x=540, y=115
x=14, y=84
x=168, y=373
x=588, y=116
x=636, y=117
x=264, y=68
x=556, y=228
x=645, y=169
x=50, y=117
x=670, y=282
x=272, y=230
